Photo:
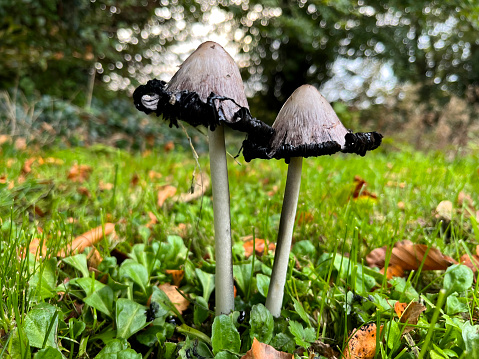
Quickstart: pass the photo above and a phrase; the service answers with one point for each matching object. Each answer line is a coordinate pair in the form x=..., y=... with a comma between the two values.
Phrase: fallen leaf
x=134, y=180
x=273, y=191
x=169, y=146
x=409, y=314
x=360, y=189
x=264, y=351
x=260, y=246
x=304, y=217
x=180, y=302
x=3, y=179
x=20, y=144
x=409, y=256
x=393, y=271
x=164, y=193
x=34, y=248
x=470, y=261
x=79, y=173
x=401, y=205
x=88, y=239
x=198, y=189
x=4, y=139
x=464, y=199
x=177, y=275
x=94, y=258
x=105, y=186
x=154, y=175
x=27, y=165
x=362, y=342
x=84, y=191
x=153, y=220
x=318, y=348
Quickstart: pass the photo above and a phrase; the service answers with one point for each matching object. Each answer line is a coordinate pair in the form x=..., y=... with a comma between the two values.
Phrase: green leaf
x=261, y=324
x=19, y=347
x=201, y=312
x=136, y=272
x=79, y=263
x=102, y=300
x=173, y=252
x=304, y=248
x=225, y=336
x=470, y=335
x=43, y=283
x=303, y=337
x=458, y=278
x=262, y=283
x=194, y=333
x=207, y=281
x=392, y=335
x=169, y=350
x=130, y=317
x=242, y=276
x=76, y=327
x=455, y=304
x=301, y=312
x=36, y=323
x=89, y=285
x=283, y=342
x=48, y=353
x=225, y=355
x=118, y=349
x=145, y=255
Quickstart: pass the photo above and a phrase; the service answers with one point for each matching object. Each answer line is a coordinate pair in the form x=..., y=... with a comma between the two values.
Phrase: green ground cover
x=52, y=307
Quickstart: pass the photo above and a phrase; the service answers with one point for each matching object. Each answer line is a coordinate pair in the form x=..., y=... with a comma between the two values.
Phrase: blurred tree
x=57, y=47
x=430, y=43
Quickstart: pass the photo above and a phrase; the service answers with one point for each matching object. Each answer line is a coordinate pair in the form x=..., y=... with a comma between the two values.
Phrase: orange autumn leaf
x=362, y=342
x=264, y=351
x=169, y=146
x=164, y=193
x=79, y=173
x=88, y=239
x=360, y=189
x=177, y=275
x=470, y=261
x=260, y=246
x=393, y=271
x=180, y=302
x=27, y=165
x=154, y=175
x=409, y=314
x=153, y=220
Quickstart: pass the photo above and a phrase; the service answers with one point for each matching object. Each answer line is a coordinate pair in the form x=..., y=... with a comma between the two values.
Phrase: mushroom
x=208, y=90
x=305, y=126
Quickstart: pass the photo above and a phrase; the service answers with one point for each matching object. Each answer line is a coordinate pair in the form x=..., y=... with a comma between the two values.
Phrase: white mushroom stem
x=224, y=290
x=274, y=300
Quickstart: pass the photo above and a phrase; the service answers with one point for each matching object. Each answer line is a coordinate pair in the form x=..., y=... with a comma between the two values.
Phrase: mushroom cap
x=211, y=69
x=307, y=126
x=307, y=118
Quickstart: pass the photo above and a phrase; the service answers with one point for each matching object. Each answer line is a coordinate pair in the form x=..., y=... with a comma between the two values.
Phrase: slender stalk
x=274, y=300
x=224, y=295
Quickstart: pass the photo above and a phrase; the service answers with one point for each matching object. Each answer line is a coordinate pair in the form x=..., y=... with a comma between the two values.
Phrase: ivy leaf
x=130, y=317
x=261, y=324
x=225, y=336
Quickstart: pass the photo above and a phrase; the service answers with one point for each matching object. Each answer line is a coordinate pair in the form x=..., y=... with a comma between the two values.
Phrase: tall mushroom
x=305, y=126
x=208, y=90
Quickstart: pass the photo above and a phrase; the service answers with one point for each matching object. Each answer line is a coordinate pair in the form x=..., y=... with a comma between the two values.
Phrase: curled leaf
x=409, y=314
x=264, y=351
x=362, y=342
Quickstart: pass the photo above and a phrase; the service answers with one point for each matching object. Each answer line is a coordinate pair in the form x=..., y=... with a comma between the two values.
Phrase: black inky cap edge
x=187, y=106
x=358, y=143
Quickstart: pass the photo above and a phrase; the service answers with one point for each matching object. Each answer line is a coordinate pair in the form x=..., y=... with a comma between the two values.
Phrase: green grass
x=328, y=295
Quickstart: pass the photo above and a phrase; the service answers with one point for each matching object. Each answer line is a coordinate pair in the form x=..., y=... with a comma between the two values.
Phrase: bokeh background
x=409, y=69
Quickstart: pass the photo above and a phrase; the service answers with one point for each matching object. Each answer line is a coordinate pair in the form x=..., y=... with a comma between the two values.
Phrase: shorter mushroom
x=305, y=126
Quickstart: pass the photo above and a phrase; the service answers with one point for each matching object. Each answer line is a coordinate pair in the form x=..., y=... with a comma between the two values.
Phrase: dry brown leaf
x=134, y=180
x=20, y=144
x=164, y=193
x=260, y=246
x=4, y=139
x=273, y=191
x=409, y=256
x=169, y=146
x=102, y=186
x=34, y=248
x=264, y=351
x=199, y=189
x=84, y=191
x=79, y=173
x=154, y=175
x=3, y=178
x=472, y=263
x=360, y=189
x=88, y=239
x=409, y=314
x=180, y=302
x=153, y=220
x=94, y=258
x=362, y=342
x=304, y=217
x=177, y=275
x=27, y=165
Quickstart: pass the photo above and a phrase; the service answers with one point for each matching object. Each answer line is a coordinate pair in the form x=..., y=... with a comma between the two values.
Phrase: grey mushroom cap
x=307, y=126
x=211, y=69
